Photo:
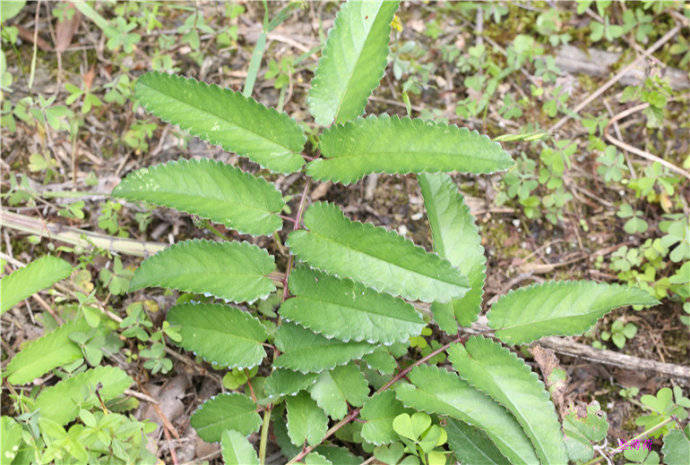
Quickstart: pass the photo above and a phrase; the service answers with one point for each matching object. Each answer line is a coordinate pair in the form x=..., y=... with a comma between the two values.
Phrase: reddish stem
x=295, y=227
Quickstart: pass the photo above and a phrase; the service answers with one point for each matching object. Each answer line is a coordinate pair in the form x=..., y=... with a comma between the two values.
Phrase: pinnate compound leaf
x=234, y=271
x=496, y=371
x=305, y=420
x=61, y=403
x=353, y=61
x=559, y=308
x=283, y=382
x=470, y=445
x=374, y=256
x=393, y=145
x=306, y=352
x=379, y=411
x=226, y=118
x=223, y=335
x=236, y=449
x=210, y=189
x=336, y=388
x=438, y=391
x=36, y=276
x=232, y=411
x=347, y=310
x=41, y=355
x=456, y=238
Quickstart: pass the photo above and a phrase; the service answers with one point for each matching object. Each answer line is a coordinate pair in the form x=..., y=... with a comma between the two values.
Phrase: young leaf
x=347, y=310
x=61, y=403
x=225, y=411
x=307, y=352
x=374, y=256
x=496, y=371
x=470, y=445
x=36, y=276
x=336, y=388
x=223, y=335
x=393, y=145
x=305, y=420
x=353, y=61
x=456, y=239
x=444, y=393
x=41, y=355
x=282, y=382
x=564, y=307
x=234, y=271
x=209, y=189
x=379, y=412
x=226, y=118
x=236, y=449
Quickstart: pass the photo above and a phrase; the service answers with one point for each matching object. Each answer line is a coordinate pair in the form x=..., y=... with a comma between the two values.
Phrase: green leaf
x=353, y=61
x=339, y=455
x=61, y=403
x=234, y=271
x=444, y=393
x=336, y=388
x=223, y=335
x=676, y=447
x=456, y=238
x=36, y=276
x=470, y=445
x=10, y=8
x=381, y=360
x=580, y=433
x=306, y=352
x=10, y=440
x=563, y=307
x=236, y=449
x=209, y=189
x=282, y=382
x=374, y=256
x=384, y=144
x=347, y=310
x=496, y=371
x=305, y=420
x=411, y=426
x=41, y=355
x=225, y=118
x=379, y=412
x=225, y=411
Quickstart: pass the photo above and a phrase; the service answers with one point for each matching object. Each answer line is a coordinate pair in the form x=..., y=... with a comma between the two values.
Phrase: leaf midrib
x=370, y=311
x=406, y=152
x=223, y=118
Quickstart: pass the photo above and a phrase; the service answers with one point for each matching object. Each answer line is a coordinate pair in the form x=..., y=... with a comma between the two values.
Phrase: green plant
x=346, y=321
x=620, y=332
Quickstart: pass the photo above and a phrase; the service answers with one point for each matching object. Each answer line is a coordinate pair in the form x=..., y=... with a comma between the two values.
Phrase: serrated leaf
x=444, y=393
x=236, y=449
x=305, y=420
x=496, y=371
x=676, y=447
x=339, y=455
x=10, y=439
x=456, y=238
x=41, y=355
x=210, y=189
x=225, y=118
x=225, y=411
x=234, y=271
x=61, y=403
x=374, y=256
x=36, y=276
x=379, y=412
x=472, y=446
x=381, y=360
x=282, y=382
x=580, y=433
x=306, y=352
x=353, y=61
x=558, y=308
x=384, y=144
x=347, y=310
x=223, y=335
x=336, y=388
